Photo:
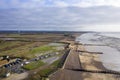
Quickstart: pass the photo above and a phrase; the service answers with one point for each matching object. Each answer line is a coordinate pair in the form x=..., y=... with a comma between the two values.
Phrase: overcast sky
x=68, y=15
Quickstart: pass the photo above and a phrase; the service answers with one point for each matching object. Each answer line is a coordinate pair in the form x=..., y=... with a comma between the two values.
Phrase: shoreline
x=84, y=65
x=109, y=47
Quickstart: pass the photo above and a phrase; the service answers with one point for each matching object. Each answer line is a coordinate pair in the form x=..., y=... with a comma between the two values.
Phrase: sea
x=108, y=43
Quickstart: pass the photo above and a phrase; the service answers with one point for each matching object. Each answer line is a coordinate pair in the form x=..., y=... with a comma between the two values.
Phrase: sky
x=60, y=15
x=59, y=3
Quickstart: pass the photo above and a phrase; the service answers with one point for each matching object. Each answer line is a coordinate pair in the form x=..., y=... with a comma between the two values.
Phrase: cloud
x=57, y=3
x=61, y=18
x=21, y=3
x=89, y=3
x=83, y=15
x=60, y=3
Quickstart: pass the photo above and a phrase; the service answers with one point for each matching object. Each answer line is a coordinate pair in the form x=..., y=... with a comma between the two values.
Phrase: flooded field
x=107, y=44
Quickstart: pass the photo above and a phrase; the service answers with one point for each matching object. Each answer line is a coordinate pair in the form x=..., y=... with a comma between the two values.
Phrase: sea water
x=110, y=49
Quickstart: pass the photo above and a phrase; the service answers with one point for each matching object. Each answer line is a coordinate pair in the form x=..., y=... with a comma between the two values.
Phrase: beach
x=107, y=43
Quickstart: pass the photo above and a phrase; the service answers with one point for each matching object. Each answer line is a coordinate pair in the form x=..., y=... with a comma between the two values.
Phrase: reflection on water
x=110, y=56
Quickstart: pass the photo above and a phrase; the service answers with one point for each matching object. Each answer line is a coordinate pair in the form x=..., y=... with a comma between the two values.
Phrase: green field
x=42, y=74
x=31, y=46
x=34, y=65
x=42, y=49
x=26, y=50
x=50, y=69
x=22, y=51
x=42, y=35
x=10, y=44
x=37, y=64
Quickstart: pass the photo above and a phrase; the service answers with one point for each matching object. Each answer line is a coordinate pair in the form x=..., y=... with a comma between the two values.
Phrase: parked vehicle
x=27, y=62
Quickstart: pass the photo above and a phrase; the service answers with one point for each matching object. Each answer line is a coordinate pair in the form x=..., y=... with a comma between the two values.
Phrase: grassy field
x=4, y=45
x=29, y=49
x=50, y=69
x=29, y=46
x=26, y=49
x=42, y=35
x=34, y=65
x=42, y=49
x=22, y=51
x=56, y=63
x=43, y=73
x=37, y=64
